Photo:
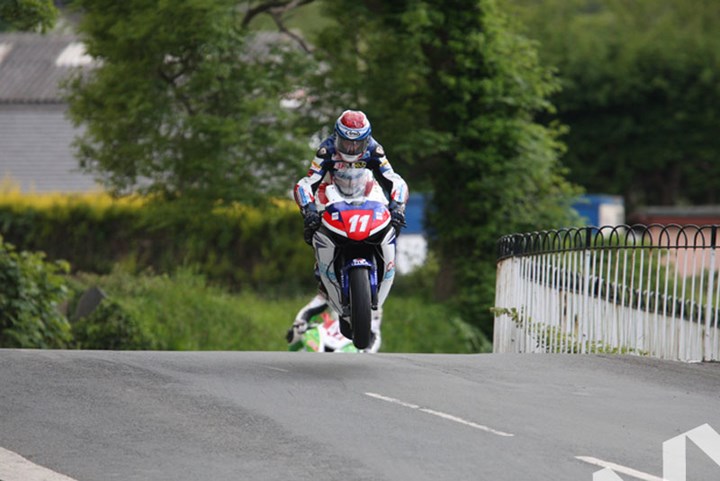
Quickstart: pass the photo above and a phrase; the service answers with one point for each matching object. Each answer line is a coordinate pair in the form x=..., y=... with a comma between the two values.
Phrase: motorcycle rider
x=336, y=162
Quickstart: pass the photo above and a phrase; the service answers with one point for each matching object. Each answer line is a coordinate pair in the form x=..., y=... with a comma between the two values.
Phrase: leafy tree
x=453, y=93
x=640, y=93
x=27, y=15
x=184, y=102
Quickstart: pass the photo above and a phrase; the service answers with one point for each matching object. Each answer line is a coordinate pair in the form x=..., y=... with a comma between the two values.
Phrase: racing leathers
x=328, y=167
x=371, y=171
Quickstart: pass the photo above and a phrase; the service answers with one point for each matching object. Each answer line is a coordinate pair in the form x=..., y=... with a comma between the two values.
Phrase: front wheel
x=360, y=307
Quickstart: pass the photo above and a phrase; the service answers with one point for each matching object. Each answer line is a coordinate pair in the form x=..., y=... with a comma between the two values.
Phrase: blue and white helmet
x=352, y=134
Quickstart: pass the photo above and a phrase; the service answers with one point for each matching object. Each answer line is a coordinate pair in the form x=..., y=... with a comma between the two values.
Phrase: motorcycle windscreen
x=352, y=178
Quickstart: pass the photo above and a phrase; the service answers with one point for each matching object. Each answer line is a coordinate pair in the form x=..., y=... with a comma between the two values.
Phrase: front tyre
x=360, y=306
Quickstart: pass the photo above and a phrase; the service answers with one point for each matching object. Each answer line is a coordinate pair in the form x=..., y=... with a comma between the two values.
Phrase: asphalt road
x=96, y=416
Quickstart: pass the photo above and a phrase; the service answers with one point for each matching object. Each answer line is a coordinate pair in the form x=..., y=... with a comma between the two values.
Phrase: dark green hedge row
x=237, y=246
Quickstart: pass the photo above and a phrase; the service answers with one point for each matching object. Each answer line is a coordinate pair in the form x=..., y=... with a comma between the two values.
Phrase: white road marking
x=440, y=414
x=14, y=467
x=392, y=400
x=618, y=468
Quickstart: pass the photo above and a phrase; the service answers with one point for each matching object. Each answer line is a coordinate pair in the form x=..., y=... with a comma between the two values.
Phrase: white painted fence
x=647, y=290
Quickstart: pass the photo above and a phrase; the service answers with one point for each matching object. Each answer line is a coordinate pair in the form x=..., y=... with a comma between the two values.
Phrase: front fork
x=359, y=263
x=326, y=253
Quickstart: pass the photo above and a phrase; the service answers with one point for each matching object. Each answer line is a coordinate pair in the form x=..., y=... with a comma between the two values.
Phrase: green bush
x=31, y=291
x=111, y=327
x=184, y=312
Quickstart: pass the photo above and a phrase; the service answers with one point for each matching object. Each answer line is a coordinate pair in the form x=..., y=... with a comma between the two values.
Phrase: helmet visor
x=351, y=147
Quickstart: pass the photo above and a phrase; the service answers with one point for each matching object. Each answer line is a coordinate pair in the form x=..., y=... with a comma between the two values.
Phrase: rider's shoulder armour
x=376, y=150
x=324, y=152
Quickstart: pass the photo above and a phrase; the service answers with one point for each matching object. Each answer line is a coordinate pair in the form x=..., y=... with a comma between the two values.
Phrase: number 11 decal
x=362, y=219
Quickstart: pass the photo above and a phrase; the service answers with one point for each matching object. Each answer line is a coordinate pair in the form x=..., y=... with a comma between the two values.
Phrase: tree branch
x=277, y=18
x=281, y=5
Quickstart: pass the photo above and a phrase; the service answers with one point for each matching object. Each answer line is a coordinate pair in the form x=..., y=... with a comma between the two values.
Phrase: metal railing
x=649, y=290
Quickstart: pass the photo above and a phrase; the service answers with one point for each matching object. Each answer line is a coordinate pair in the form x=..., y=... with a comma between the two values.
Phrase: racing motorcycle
x=355, y=251
x=322, y=335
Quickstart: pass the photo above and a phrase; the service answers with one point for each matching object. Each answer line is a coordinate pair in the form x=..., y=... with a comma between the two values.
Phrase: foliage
x=420, y=282
x=294, y=16
x=110, y=326
x=183, y=312
x=237, y=245
x=31, y=291
x=184, y=103
x=451, y=86
x=640, y=90
x=381, y=69
x=413, y=324
x=27, y=15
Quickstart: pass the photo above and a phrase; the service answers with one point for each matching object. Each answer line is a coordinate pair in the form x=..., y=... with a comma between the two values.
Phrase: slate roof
x=32, y=65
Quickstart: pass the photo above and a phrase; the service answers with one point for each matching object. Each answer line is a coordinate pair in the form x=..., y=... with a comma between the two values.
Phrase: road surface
x=97, y=416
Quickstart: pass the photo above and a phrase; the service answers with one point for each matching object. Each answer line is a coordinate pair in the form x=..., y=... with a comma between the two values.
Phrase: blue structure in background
x=601, y=209
x=596, y=209
x=415, y=214
x=412, y=242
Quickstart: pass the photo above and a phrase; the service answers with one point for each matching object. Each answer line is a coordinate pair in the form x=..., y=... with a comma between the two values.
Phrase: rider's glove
x=312, y=223
x=397, y=216
x=299, y=327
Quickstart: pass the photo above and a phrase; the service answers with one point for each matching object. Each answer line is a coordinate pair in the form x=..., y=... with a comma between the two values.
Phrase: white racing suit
x=372, y=175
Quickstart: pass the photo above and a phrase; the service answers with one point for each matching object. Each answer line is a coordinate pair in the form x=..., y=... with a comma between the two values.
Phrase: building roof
x=697, y=214
x=32, y=65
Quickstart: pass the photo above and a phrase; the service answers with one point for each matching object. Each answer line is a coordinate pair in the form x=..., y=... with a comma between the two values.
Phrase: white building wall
x=35, y=150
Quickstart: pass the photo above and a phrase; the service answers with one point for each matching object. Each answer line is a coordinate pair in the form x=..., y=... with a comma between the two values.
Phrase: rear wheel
x=360, y=306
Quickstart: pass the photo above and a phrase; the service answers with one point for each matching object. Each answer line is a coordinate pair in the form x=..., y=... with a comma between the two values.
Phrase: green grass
x=183, y=312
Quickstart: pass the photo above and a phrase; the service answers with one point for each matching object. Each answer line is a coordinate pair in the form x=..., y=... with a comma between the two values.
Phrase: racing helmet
x=352, y=134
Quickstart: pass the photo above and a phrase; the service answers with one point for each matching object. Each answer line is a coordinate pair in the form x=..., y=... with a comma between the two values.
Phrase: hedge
x=233, y=244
